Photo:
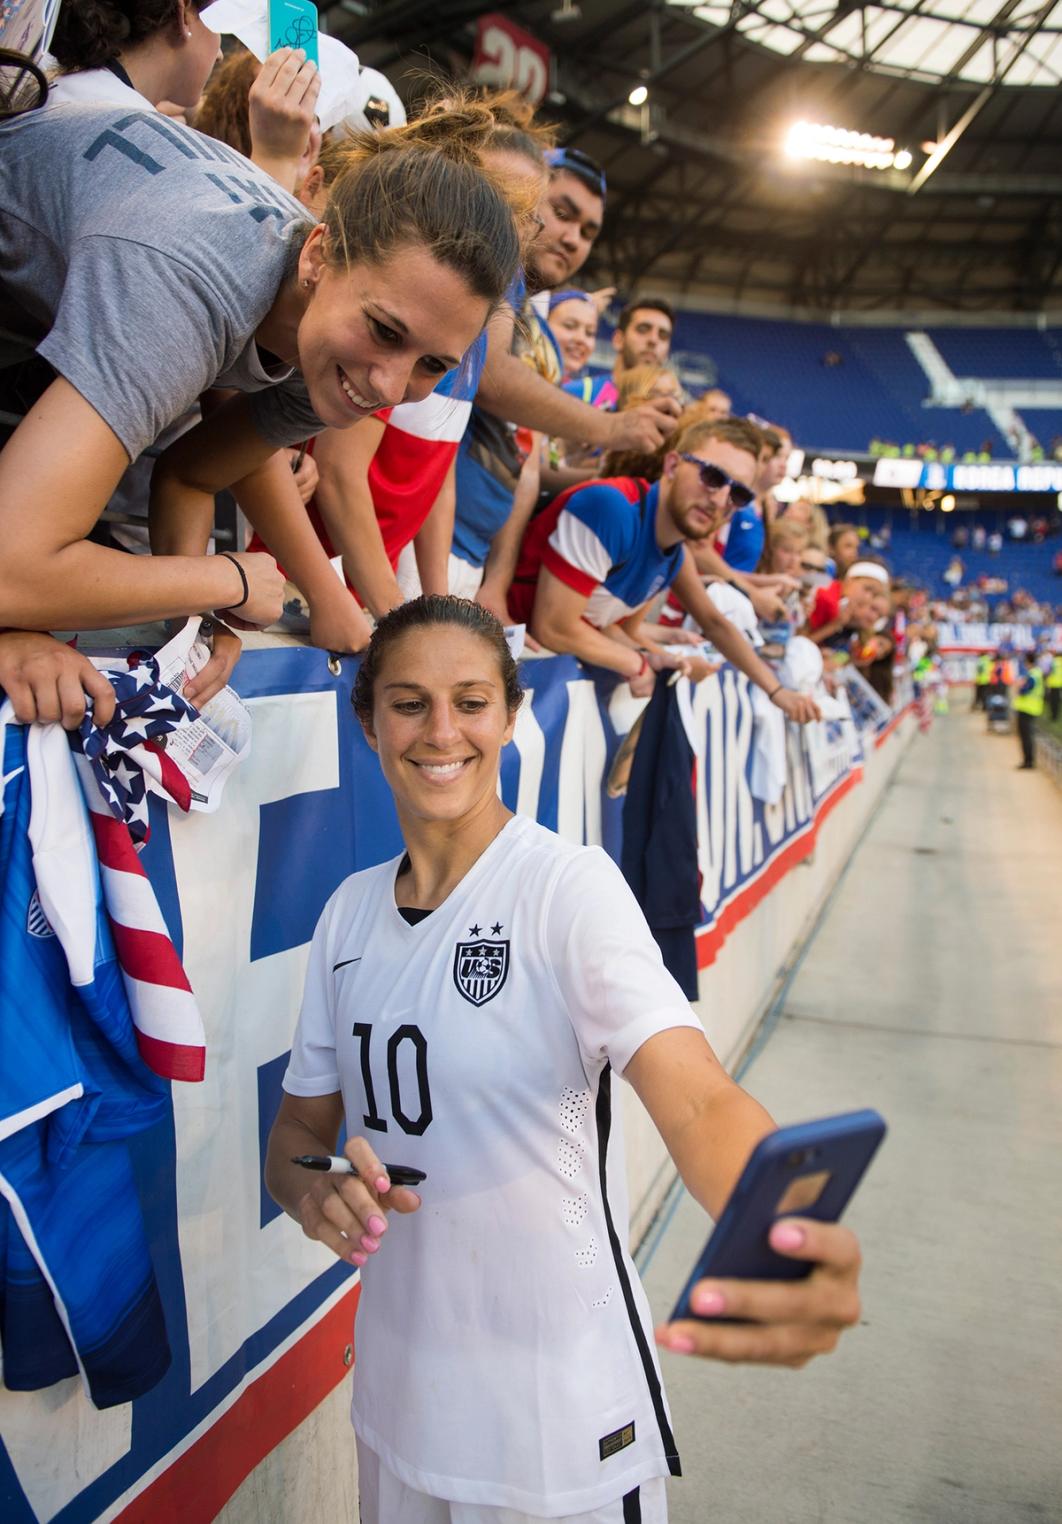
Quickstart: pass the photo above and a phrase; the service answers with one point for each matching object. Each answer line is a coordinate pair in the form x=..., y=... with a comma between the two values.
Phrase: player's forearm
x=286, y=1182
x=510, y=389
x=589, y=645
x=344, y=501
x=505, y=547
x=271, y=501
x=711, y=1152
x=711, y=564
x=434, y=539
x=87, y=586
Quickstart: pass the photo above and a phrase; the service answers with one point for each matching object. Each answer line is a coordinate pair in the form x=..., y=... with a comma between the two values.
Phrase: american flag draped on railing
x=113, y=764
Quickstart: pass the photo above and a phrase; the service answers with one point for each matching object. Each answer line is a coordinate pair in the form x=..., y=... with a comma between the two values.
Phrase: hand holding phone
x=777, y=1281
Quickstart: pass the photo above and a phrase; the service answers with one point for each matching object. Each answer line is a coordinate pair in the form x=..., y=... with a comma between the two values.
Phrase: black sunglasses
x=714, y=480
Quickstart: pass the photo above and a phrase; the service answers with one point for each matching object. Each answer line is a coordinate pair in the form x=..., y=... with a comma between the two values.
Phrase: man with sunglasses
x=592, y=563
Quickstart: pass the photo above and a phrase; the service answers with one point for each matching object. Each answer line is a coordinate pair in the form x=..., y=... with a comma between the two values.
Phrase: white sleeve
x=313, y=1068
x=606, y=963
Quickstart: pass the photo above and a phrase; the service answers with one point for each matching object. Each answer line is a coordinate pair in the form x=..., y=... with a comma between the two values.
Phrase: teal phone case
x=293, y=24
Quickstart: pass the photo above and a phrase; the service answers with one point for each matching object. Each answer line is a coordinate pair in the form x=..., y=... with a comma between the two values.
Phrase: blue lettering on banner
x=305, y=843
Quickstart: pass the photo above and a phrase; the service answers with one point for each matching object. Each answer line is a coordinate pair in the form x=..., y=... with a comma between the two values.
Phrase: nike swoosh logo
x=337, y=966
x=8, y=776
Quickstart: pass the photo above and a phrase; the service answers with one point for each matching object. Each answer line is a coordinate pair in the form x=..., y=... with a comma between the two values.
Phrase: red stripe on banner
x=171, y=1060
x=893, y=723
x=114, y=845
x=200, y=1482
x=710, y=941
x=149, y=956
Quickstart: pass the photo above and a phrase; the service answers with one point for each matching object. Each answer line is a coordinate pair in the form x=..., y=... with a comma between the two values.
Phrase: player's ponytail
x=429, y=612
x=422, y=184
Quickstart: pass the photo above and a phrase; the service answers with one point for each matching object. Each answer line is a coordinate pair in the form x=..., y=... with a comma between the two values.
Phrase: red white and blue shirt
x=418, y=448
x=604, y=545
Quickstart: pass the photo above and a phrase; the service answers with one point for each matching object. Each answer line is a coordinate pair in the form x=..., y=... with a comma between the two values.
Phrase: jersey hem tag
x=619, y=1439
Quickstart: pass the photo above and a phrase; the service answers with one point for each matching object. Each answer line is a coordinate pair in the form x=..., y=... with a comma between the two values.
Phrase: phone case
x=810, y=1170
x=293, y=24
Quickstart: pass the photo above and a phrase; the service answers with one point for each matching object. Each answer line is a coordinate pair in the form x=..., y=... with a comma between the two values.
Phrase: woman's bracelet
x=643, y=669
x=776, y=689
x=229, y=607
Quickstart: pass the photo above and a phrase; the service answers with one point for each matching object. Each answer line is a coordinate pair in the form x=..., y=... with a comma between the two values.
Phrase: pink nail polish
x=383, y=1185
x=377, y=1226
x=709, y=1303
x=370, y=1244
x=681, y=1344
x=357, y=1258
x=787, y=1236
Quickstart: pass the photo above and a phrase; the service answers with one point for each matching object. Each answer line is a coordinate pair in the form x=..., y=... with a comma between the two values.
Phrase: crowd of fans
x=208, y=278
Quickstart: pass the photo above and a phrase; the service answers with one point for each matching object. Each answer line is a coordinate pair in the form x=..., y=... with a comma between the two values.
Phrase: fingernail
x=358, y=1258
x=377, y=1226
x=708, y=1303
x=383, y=1185
x=786, y=1235
x=370, y=1244
x=415, y=1196
x=680, y=1344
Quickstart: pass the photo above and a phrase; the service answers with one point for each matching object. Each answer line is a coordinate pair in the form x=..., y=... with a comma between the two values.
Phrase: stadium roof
x=967, y=39
x=703, y=202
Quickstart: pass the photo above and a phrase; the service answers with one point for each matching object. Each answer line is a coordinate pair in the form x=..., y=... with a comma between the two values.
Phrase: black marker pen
x=398, y=1174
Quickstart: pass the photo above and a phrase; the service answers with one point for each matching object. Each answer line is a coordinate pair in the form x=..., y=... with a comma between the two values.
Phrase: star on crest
x=473, y=931
x=495, y=930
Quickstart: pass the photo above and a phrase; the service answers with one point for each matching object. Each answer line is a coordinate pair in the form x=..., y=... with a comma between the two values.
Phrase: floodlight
x=837, y=145
x=639, y=95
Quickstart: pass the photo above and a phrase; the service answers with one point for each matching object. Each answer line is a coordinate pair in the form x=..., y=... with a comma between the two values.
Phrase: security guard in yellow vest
x=983, y=679
x=1053, y=684
x=1028, y=704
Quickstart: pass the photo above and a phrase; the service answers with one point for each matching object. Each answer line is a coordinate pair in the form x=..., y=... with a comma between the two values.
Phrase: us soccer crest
x=480, y=969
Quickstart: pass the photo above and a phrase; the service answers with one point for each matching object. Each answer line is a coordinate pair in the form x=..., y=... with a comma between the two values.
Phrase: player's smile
x=442, y=773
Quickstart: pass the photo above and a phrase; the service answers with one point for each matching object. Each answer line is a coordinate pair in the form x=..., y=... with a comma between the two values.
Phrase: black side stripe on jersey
x=603, y=1115
x=632, y=1507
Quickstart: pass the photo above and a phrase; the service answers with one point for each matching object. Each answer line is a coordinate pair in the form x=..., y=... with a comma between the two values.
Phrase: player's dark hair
x=428, y=611
x=645, y=304
x=90, y=33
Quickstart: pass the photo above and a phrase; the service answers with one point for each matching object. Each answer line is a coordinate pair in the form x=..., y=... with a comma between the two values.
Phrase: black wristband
x=776, y=689
x=229, y=607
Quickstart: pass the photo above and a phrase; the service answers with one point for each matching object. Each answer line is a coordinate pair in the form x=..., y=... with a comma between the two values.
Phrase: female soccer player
x=152, y=263
x=466, y=1007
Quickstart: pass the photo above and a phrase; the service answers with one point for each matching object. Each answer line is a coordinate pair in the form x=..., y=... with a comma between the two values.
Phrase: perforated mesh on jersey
x=586, y=1257
x=574, y=1105
x=603, y=1301
x=574, y=1209
x=569, y=1158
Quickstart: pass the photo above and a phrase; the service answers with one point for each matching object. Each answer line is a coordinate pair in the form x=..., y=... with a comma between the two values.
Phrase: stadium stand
x=837, y=388
x=1003, y=354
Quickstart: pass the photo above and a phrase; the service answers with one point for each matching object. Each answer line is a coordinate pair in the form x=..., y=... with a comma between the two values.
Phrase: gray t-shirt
x=142, y=257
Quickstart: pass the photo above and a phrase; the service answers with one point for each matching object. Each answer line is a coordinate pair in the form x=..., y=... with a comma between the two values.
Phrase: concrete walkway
x=933, y=991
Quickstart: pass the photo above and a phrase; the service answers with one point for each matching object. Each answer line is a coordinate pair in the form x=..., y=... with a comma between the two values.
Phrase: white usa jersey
x=504, y=1345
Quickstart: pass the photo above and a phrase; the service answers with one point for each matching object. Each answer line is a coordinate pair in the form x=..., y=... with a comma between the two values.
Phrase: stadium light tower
x=837, y=145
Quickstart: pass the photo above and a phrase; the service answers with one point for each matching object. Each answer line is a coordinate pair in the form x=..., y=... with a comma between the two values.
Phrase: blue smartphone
x=293, y=24
x=810, y=1170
